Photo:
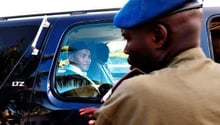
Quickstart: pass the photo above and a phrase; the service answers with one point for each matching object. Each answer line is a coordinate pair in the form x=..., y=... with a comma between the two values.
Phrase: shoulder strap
x=132, y=73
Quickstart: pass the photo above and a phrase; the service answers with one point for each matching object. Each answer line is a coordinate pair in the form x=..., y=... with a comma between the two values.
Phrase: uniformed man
x=181, y=86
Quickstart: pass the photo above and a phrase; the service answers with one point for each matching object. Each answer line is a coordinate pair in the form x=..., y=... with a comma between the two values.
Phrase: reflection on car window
x=14, y=41
x=99, y=70
x=90, y=57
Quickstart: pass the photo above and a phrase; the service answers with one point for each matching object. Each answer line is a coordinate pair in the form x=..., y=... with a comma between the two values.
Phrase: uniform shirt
x=70, y=69
x=73, y=87
x=187, y=92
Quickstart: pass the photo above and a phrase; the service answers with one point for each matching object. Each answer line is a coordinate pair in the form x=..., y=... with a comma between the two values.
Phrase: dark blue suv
x=41, y=79
x=35, y=87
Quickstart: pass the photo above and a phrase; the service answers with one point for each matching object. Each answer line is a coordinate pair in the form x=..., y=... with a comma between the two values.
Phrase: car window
x=90, y=60
x=14, y=41
x=214, y=28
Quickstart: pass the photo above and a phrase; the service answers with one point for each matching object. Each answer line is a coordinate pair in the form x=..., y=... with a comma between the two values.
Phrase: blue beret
x=139, y=11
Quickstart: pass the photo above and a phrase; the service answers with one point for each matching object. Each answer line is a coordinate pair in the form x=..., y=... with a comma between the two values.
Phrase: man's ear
x=160, y=35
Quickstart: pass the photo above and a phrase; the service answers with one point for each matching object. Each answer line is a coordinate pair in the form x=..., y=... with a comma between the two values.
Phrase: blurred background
x=23, y=7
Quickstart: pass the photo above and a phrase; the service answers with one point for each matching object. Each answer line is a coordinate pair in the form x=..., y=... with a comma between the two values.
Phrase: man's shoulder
x=65, y=70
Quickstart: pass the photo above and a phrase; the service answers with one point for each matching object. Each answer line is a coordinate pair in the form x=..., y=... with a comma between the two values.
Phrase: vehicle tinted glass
x=13, y=42
x=100, y=47
x=215, y=37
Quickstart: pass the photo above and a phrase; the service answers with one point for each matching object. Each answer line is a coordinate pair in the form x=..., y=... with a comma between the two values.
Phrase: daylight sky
x=23, y=7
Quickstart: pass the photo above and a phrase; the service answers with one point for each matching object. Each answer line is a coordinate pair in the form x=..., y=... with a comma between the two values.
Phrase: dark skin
x=137, y=56
x=152, y=48
x=90, y=112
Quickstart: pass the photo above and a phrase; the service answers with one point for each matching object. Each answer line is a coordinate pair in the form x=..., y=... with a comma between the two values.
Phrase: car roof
x=24, y=7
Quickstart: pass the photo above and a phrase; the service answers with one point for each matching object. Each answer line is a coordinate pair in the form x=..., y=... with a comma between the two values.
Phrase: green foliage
x=9, y=57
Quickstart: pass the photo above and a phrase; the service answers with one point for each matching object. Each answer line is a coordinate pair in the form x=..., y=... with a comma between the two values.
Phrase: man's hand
x=90, y=112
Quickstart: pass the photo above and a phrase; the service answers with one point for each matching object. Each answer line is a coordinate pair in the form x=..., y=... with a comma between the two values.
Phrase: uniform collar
x=76, y=70
x=187, y=55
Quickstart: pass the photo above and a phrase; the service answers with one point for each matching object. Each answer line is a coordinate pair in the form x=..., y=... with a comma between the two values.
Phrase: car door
x=211, y=32
x=54, y=86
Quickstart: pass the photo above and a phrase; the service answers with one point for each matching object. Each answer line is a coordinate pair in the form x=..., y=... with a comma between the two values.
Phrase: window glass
x=215, y=37
x=90, y=60
x=117, y=60
x=13, y=43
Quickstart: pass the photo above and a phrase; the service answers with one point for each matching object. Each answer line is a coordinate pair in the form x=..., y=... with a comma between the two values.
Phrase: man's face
x=138, y=47
x=82, y=59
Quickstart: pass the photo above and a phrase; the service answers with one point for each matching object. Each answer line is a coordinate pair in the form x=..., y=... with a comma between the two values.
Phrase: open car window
x=90, y=60
x=214, y=28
